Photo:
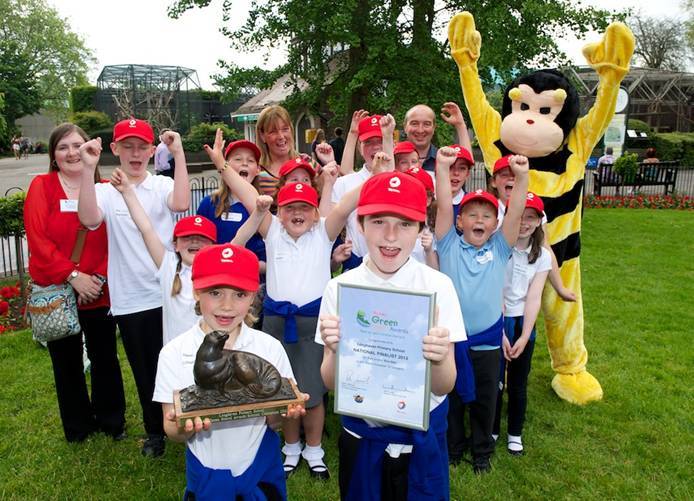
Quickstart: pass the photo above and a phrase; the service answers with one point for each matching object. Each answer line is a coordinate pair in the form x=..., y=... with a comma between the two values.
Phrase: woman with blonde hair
x=275, y=137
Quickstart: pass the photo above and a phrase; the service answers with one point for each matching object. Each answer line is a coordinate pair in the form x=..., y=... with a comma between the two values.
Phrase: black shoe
x=154, y=446
x=319, y=472
x=481, y=465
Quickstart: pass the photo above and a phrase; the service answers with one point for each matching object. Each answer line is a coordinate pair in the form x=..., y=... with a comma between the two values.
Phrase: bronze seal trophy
x=232, y=384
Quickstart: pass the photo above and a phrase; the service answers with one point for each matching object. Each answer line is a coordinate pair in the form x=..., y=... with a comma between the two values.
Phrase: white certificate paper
x=381, y=373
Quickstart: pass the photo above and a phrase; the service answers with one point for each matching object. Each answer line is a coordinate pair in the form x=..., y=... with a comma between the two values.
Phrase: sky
x=140, y=32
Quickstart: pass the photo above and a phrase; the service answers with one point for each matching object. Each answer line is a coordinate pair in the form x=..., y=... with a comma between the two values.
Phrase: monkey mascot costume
x=540, y=120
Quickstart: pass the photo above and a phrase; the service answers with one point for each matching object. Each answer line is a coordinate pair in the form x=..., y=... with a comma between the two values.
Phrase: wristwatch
x=73, y=274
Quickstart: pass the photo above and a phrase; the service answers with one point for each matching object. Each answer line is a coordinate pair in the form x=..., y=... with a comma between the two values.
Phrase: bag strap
x=79, y=244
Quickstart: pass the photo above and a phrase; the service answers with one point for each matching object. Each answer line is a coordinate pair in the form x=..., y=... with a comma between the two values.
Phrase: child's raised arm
x=387, y=124
x=88, y=211
x=258, y=222
x=451, y=114
x=445, y=157
x=337, y=219
x=242, y=189
x=154, y=245
x=511, y=225
x=329, y=176
x=179, y=198
x=347, y=166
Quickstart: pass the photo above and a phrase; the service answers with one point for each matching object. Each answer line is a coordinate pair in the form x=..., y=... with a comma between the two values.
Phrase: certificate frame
x=383, y=349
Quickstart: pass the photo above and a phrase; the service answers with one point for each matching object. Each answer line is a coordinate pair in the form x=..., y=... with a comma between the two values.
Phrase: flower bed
x=11, y=308
x=682, y=202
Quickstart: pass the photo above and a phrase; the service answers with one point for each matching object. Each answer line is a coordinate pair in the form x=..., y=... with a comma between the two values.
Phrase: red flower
x=4, y=307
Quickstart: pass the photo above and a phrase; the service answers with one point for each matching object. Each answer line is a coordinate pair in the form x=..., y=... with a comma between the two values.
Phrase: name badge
x=234, y=217
x=122, y=212
x=67, y=205
x=484, y=257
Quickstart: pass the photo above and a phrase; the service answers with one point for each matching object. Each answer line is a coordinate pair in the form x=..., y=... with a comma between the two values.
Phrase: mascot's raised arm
x=539, y=119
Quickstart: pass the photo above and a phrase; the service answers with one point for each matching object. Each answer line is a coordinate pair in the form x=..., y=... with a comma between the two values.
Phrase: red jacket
x=51, y=235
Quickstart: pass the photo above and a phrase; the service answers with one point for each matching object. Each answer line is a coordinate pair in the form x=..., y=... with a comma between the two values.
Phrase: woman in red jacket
x=51, y=222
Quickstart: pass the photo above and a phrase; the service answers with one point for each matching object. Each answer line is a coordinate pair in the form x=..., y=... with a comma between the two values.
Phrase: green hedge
x=12, y=215
x=106, y=136
x=675, y=146
x=203, y=133
x=82, y=98
x=92, y=121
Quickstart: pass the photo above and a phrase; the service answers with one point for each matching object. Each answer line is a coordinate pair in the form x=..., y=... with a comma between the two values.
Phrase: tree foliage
x=82, y=98
x=41, y=59
x=661, y=43
x=91, y=121
x=388, y=55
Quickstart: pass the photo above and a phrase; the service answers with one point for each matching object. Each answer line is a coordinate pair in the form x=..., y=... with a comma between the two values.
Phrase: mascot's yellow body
x=561, y=185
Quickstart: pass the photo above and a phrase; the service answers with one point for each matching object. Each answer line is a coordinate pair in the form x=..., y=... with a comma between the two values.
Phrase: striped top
x=266, y=183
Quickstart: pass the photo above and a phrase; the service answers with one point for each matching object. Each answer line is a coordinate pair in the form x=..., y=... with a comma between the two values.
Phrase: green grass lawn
x=636, y=443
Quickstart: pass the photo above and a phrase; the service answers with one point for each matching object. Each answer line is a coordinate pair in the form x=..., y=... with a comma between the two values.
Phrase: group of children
x=174, y=282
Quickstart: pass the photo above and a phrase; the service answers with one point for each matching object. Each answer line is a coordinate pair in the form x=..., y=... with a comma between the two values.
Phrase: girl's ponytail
x=537, y=240
x=176, y=287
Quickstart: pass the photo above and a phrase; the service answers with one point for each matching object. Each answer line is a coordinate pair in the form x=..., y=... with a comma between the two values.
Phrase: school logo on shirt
x=226, y=255
x=394, y=183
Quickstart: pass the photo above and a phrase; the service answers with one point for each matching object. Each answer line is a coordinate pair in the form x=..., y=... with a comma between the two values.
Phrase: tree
x=389, y=54
x=689, y=23
x=41, y=59
x=661, y=43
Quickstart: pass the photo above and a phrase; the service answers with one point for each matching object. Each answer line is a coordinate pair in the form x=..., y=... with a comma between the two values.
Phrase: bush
x=106, y=136
x=638, y=126
x=12, y=215
x=92, y=121
x=82, y=98
x=675, y=146
x=626, y=166
x=203, y=133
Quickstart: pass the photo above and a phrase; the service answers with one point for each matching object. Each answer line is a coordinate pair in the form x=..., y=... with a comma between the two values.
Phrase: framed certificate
x=381, y=373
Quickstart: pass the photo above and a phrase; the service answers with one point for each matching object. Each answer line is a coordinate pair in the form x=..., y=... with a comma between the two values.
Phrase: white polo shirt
x=519, y=274
x=132, y=280
x=418, y=250
x=297, y=270
x=178, y=311
x=343, y=185
x=228, y=445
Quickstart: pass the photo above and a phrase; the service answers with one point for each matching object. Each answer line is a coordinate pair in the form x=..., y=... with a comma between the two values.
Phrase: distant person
x=319, y=139
x=338, y=144
x=651, y=157
x=25, y=146
x=16, y=147
x=605, y=164
x=163, y=159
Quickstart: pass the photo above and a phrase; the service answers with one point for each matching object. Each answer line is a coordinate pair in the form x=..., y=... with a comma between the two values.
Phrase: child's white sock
x=292, y=453
x=313, y=454
x=515, y=444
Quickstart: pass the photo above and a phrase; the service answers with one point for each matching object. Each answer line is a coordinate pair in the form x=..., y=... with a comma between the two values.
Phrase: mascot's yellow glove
x=464, y=39
x=610, y=56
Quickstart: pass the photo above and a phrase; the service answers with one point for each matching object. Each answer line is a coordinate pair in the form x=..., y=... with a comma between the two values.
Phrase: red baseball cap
x=422, y=176
x=297, y=163
x=297, y=192
x=533, y=201
x=404, y=147
x=370, y=127
x=226, y=264
x=243, y=143
x=480, y=195
x=196, y=225
x=133, y=127
x=463, y=153
x=393, y=193
x=502, y=163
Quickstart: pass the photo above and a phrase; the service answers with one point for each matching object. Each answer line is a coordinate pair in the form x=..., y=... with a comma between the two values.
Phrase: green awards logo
x=361, y=319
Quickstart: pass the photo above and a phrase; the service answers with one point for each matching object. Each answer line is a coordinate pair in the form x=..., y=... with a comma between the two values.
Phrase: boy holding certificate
x=411, y=464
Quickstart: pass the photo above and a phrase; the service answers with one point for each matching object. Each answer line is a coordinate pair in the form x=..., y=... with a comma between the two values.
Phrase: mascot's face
x=530, y=129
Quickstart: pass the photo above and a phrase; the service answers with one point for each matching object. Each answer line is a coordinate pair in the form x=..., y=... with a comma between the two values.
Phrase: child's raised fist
x=519, y=164
x=357, y=117
x=380, y=163
x=445, y=157
x=451, y=114
x=172, y=140
x=263, y=203
x=387, y=124
x=329, y=172
x=216, y=153
x=119, y=180
x=324, y=153
x=90, y=153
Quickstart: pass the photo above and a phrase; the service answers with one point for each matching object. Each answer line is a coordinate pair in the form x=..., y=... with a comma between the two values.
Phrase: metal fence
x=12, y=247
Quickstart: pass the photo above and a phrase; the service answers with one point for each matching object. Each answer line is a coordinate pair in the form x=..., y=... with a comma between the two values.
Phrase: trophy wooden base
x=243, y=411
